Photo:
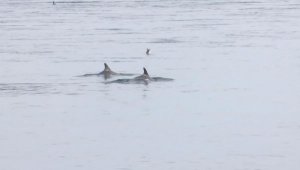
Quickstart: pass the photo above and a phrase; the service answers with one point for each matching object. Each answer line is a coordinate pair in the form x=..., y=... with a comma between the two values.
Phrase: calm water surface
x=234, y=104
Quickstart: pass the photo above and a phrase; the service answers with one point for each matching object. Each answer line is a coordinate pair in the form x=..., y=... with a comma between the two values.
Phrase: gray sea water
x=234, y=104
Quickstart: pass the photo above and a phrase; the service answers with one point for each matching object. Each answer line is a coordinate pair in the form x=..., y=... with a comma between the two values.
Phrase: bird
x=148, y=51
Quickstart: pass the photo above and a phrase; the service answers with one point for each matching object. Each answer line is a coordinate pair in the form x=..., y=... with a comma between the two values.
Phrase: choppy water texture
x=234, y=104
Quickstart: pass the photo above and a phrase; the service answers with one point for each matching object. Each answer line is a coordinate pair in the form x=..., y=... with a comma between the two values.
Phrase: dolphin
x=145, y=76
x=142, y=79
x=106, y=73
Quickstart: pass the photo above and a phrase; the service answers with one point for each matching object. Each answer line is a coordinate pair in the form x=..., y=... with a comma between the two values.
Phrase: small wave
x=23, y=88
x=165, y=40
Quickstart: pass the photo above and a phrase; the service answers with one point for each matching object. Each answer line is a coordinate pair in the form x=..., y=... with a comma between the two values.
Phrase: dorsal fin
x=145, y=71
x=106, y=67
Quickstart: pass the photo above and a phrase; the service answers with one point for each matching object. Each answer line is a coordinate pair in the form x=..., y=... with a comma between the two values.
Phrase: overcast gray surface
x=234, y=104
